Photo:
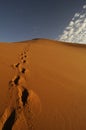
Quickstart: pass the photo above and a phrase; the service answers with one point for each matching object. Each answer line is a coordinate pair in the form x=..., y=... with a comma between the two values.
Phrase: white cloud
x=76, y=15
x=71, y=23
x=78, y=21
x=84, y=7
x=67, y=28
x=76, y=30
x=71, y=32
x=85, y=20
x=82, y=16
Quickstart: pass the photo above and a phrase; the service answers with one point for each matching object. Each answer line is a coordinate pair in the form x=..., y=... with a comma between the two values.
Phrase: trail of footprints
x=19, y=97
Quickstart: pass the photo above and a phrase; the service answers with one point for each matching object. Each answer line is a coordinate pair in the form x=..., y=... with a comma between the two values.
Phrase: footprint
x=24, y=52
x=5, y=118
x=9, y=122
x=17, y=80
x=24, y=61
x=22, y=81
x=21, y=58
x=14, y=81
x=25, y=56
x=23, y=70
x=22, y=101
x=25, y=95
x=15, y=65
x=21, y=54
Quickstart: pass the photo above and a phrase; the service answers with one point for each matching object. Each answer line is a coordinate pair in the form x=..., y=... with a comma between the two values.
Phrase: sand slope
x=42, y=86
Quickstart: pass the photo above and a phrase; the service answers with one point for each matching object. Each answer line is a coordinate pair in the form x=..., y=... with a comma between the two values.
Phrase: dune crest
x=42, y=87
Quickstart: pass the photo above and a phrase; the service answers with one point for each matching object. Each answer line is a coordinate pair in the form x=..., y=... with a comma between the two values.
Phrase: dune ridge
x=43, y=85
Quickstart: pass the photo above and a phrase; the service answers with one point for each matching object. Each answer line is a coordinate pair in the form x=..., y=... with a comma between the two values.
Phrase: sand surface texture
x=42, y=85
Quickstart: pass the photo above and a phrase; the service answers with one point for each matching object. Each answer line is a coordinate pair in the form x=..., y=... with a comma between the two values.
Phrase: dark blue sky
x=28, y=19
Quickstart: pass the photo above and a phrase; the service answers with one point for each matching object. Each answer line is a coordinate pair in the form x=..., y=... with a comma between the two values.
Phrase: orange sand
x=42, y=85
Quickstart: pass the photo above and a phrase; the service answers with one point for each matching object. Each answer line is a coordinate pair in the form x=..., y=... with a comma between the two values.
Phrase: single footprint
x=15, y=65
x=25, y=56
x=24, y=61
x=21, y=54
x=7, y=119
x=24, y=52
x=26, y=74
x=14, y=81
x=25, y=95
x=21, y=58
x=23, y=70
x=9, y=122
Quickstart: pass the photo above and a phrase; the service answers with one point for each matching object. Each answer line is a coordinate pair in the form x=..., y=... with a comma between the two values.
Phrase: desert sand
x=42, y=85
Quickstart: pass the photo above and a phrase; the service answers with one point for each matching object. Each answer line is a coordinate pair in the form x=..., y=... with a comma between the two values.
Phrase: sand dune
x=43, y=85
